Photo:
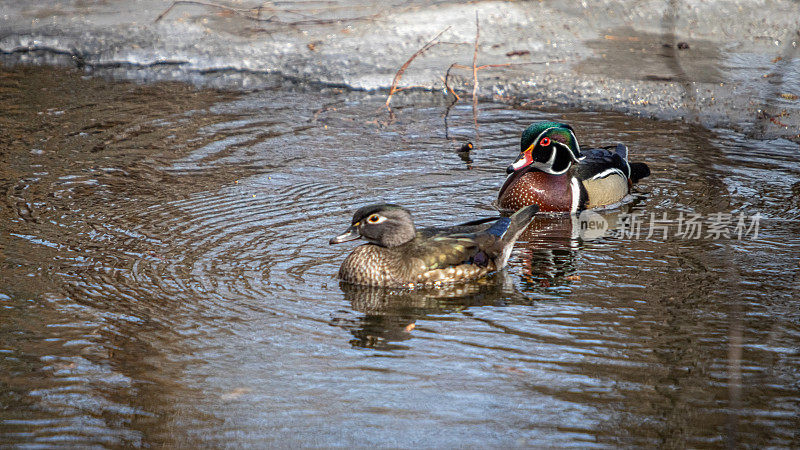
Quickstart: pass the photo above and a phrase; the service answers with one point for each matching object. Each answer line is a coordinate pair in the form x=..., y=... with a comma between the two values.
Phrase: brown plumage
x=398, y=255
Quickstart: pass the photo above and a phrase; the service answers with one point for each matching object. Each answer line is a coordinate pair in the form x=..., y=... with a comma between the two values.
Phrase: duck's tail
x=508, y=229
x=519, y=221
x=639, y=171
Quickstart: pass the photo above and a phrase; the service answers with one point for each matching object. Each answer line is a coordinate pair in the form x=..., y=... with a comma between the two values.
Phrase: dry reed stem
x=254, y=14
x=189, y=2
x=402, y=70
x=447, y=83
x=475, y=76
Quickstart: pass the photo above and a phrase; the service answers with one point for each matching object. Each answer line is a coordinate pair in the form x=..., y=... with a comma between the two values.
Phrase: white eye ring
x=375, y=219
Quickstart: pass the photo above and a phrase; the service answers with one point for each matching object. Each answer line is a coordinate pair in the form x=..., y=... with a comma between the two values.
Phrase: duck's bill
x=521, y=163
x=350, y=235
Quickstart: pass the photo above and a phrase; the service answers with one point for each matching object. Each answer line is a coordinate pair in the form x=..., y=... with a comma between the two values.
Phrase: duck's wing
x=462, y=230
x=601, y=162
x=481, y=242
x=475, y=222
x=441, y=248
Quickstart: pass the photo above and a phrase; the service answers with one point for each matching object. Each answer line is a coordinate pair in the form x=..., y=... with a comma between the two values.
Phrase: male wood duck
x=553, y=172
x=397, y=254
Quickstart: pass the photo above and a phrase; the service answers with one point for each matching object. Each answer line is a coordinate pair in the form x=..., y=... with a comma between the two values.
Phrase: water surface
x=166, y=279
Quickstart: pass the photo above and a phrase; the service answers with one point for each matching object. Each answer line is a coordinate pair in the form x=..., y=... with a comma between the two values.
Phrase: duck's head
x=547, y=146
x=383, y=224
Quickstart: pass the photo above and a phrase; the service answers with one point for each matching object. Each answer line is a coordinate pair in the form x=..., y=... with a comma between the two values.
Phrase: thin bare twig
x=475, y=76
x=734, y=372
x=446, y=80
x=492, y=66
x=403, y=68
x=254, y=14
x=190, y=2
x=456, y=98
x=418, y=86
x=475, y=68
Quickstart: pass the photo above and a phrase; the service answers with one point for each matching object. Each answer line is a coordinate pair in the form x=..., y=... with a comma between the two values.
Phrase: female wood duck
x=553, y=172
x=397, y=254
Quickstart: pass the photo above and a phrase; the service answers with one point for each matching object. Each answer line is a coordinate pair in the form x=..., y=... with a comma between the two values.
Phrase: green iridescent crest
x=556, y=131
x=533, y=131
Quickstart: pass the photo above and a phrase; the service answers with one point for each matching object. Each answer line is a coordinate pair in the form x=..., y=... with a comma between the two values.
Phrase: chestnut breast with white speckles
x=551, y=192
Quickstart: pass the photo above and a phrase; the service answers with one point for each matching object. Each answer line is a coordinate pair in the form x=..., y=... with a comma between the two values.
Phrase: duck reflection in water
x=549, y=247
x=548, y=253
x=391, y=315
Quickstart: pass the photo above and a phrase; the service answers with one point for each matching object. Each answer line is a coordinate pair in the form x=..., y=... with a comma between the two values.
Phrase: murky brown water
x=166, y=280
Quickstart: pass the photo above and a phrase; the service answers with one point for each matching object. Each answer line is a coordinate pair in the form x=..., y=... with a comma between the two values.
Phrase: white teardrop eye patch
x=376, y=219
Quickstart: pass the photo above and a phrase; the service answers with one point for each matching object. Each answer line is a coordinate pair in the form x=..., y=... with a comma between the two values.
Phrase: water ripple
x=174, y=286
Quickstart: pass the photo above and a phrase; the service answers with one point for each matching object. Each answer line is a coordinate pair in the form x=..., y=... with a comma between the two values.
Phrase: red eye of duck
x=544, y=142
